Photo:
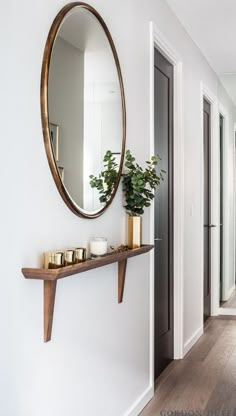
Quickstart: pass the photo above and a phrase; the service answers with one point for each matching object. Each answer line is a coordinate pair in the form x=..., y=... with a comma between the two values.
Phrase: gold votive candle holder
x=80, y=254
x=69, y=257
x=54, y=260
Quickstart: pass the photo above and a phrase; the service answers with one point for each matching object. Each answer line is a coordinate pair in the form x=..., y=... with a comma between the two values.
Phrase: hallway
x=206, y=379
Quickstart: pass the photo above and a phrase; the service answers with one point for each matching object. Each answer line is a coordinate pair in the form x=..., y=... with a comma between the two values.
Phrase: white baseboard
x=227, y=311
x=141, y=402
x=148, y=394
x=192, y=340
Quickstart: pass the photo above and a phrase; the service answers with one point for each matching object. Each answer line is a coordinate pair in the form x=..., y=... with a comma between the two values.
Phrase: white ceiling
x=81, y=29
x=212, y=26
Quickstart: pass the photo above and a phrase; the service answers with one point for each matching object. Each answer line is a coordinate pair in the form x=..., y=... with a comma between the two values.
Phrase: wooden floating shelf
x=50, y=277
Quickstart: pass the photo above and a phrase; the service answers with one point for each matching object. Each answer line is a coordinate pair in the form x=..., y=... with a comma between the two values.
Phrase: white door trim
x=227, y=311
x=224, y=113
x=159, y=41
x=215, y=193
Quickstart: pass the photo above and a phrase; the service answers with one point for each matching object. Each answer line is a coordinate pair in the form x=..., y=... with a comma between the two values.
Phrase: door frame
x=206, y=93
x=207, y=213
x=224, y=115
x=160, y=42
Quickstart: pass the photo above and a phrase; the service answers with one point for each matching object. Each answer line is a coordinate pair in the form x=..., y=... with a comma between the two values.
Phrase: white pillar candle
x=98, y=246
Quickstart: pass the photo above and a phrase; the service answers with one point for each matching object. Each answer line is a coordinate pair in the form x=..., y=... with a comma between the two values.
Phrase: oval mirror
x=83, y=110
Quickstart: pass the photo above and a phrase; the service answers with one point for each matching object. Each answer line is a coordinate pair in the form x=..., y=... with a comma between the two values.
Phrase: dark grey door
x=221, y=202
x=207, y=190
x=163, y=214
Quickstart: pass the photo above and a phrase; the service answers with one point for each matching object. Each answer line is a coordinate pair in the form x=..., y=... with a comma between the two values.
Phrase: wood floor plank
x=211, y=334
x=163, y=376
x=169, y=392
x=223, y=398
x=226, y=318
x=196, y=395
x=205, y=379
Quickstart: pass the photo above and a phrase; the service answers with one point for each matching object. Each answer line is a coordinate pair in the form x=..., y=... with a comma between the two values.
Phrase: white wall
x=65, y=95
x=102, y=115
x=98, y=360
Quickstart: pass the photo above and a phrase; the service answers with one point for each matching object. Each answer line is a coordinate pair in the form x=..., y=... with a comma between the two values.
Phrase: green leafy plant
x=139, y=184
x=106, y=180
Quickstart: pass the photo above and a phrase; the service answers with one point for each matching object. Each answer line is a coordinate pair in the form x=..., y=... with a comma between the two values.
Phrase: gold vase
x=134, y=231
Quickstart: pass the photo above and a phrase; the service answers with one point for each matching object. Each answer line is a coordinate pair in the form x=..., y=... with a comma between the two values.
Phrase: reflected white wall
x=102, y=116
x=66, y=95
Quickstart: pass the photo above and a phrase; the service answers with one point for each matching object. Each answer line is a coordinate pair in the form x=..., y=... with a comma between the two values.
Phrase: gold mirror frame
x=44, y=107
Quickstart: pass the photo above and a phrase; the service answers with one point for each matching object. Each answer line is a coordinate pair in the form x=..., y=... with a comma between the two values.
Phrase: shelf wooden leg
x=49, y=300
x=121, y=279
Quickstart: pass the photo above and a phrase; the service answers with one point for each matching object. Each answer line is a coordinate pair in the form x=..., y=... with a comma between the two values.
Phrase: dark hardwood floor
x=205, y=380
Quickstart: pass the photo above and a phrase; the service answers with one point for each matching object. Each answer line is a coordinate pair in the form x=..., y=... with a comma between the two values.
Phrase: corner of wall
x=141, y=402
x=192, y=340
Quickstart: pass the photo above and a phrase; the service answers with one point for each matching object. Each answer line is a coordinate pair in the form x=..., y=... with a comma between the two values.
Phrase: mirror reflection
x=84, y=105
